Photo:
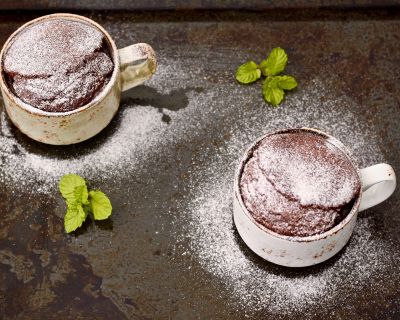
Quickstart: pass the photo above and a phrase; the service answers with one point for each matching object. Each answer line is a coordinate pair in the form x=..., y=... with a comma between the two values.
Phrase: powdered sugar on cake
x=298, y=183
x=58, y=65
x=49, y=47
x=278, y=213
x=309, y=168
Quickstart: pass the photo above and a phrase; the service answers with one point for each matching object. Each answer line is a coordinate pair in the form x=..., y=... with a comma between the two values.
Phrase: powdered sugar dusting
x=253, y=286
x=307, y=167
x=118, y=151
x=257, y=285
x=298, y=183
x=139, y=133
x=49, y=47
x=58, y=65
x=280, y=213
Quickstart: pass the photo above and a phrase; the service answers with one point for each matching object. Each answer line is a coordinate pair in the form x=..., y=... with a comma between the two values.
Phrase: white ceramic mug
x=378, y=183
x=132, y=66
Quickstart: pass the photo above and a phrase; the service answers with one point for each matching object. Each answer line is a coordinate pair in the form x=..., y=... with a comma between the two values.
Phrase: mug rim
x=36, y=111
x=332, y=231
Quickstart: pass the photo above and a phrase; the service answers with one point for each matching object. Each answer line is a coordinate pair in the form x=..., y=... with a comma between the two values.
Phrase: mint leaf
x=81, y=195
x=67, y=186
x=272, y=93
x=74, y=218
x=274, y=85
x=248, y=72
x=100, y=205
x=80, y=202
x=275, y=63
x=286, y=82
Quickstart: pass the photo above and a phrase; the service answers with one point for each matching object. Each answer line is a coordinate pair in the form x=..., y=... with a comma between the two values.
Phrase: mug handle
x=138, y=63
x=378, y=184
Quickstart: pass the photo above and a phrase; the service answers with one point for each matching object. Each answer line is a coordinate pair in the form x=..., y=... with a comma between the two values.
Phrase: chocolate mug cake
x=62, y=76
x=58, y=65
x=297, y=195
x=298, y=183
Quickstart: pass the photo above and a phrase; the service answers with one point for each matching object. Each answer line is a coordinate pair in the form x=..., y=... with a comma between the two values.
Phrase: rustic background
x=157, y=258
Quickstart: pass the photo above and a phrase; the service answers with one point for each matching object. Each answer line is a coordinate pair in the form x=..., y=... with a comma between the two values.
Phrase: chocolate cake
x=58, y=65
x=299, y=183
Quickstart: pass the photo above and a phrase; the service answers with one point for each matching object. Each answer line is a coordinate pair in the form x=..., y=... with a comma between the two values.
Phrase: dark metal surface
x=182, y=4
x=145, y=272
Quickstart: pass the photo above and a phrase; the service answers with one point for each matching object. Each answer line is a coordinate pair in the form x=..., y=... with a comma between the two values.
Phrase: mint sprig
x=81, y=202
x=274, y=86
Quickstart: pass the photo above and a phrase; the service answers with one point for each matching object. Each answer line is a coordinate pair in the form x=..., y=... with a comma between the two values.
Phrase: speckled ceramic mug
x=378, y=183
x=132, y=66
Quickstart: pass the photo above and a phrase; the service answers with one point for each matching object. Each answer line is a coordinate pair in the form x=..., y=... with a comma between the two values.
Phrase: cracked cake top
x=58, y=65
x=299, y=183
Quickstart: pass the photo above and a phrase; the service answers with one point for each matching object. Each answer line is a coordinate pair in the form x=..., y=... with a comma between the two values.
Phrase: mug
x=378, y=183
x=132, y=66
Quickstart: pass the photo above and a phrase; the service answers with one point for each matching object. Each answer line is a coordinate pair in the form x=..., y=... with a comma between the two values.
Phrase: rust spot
x=330, y=246
x=64, y=123
x=318, y=255
x=267, y=251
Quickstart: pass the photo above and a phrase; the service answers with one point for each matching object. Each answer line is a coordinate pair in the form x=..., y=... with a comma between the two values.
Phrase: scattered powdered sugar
x=117, y=152
x=206, y=208
x=138, y=133
x=255, y=288
x=258, y=286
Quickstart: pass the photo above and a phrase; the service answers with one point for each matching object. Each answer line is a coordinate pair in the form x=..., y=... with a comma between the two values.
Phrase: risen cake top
x=58, y=65
x=299, y=183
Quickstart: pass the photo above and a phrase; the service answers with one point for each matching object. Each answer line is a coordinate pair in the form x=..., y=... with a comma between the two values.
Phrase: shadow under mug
x=378, y=183
x=132, y=66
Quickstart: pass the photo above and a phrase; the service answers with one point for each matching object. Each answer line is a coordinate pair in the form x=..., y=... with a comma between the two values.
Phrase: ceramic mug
x=132, y=66
x=378, y=183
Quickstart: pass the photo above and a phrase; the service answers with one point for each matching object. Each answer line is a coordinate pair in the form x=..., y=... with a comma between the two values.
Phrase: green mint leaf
x=275, y=63
x=272, y=93
x=81, y=195
x=286, y=82
x=67, y=186
x=100, y=205
x=74, y=218
x=248, y=72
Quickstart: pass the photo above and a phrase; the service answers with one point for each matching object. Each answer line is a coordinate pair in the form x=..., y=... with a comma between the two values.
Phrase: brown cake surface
x=58, y=65
x=299, y=183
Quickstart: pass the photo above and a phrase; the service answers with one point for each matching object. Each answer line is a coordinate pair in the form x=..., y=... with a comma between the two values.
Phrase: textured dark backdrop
x=148, y=263
x=199, y=4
